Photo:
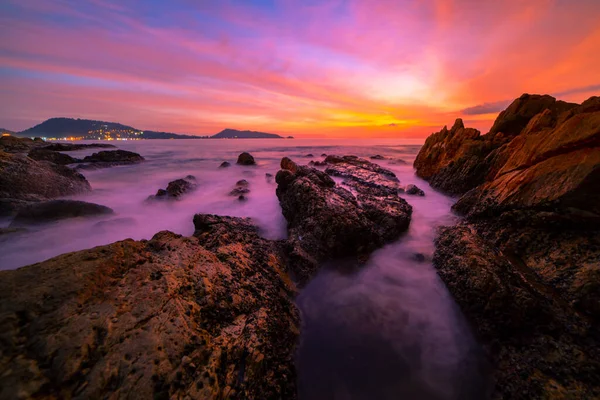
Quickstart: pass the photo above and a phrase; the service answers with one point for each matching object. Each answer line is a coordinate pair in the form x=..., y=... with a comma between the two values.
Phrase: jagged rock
x=225, y=164
x=54, y=210
x=363, y=176
x=511, y=121
x=246, y=159
x=326, y=221
x=22, y=178
x=117, y=321
x=458, y=160
x=175, y=189
x=110, y=158
x=77, y=146
x=52, y=156
x=414, y=190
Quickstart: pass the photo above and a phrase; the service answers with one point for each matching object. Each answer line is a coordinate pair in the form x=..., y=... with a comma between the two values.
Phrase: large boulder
x=26, y=180
x=54, y=210
x=204, y=317
x=246, y=159
x=110, y=158
x=328, y=221
x=40, y=154
x=524, y=265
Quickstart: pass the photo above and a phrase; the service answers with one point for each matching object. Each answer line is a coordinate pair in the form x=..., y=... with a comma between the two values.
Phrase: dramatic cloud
x=330, y=67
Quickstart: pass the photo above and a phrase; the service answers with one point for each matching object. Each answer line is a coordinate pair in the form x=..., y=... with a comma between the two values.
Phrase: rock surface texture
x=327, y=221
x=23, y=180
x=41, y=154
x=203, y=317
x=524, y=265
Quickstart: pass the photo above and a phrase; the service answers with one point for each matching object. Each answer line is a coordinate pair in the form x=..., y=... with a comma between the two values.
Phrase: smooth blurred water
x=387, y=330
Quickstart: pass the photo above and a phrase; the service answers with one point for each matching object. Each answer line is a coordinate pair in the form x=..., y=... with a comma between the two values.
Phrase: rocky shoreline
x=212, y=315
x=524, y=264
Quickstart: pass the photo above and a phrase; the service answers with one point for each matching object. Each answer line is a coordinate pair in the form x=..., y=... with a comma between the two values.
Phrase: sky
x=311, y=68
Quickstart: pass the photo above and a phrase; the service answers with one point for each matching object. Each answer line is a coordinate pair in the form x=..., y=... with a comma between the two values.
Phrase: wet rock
x=27, y=180
x=225, y=164
x=246, y=159
x=377, y=157
x=414, y=190
x=241, y=197
x=77, y=146
x=326, y=221
x=418, y=257
x=54, y=210
x=176, y=189
x=540, y=344
x=242, y=183
x=52, y=156
x=323, y=155
x=110, y=158
x=363, y=176
x=10, y=207
x=317, y=164
x=398, y=161
x=135, y=312
x=269, y=177
x=309, y=155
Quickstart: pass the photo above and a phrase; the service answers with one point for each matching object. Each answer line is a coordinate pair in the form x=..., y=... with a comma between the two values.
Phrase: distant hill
x=235, y=134
x=6, y=131
x=56, y=128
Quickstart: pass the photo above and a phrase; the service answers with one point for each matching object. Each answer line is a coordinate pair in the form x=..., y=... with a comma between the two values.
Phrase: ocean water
x=388, y=330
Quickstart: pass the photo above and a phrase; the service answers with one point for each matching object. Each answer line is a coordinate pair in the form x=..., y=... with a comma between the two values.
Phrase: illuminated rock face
x=524, y=263
x=207, y=316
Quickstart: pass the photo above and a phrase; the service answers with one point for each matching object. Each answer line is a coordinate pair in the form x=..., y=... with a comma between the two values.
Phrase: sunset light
x=317, y=68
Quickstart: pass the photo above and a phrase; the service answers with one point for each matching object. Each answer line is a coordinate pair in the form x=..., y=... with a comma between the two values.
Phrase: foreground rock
x=110, y=158
x=176, y=189
x=202, y=317
x=23, y=180
x=524, y=265
x=327, y=221
x=54, y=210
x=41, y=154
x=246, y=159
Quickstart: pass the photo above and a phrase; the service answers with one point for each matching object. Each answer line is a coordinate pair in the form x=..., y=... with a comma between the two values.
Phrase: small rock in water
x=242, y=198
x=225, y=164
x=54, y=210
x=176, y=189
x=309, y=155
x=239, y=191
x=414, y=190
x=269, y=177
x=246, y=159
x=323, y=155
x=242, y=182
x=377, y=157
x=419, y=257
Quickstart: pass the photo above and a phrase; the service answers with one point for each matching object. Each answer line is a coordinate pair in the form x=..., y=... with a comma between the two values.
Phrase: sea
x=388, y=330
